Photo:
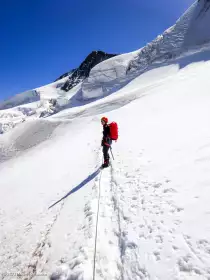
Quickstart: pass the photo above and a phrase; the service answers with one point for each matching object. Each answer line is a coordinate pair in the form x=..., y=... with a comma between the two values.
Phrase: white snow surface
x=32, y=104
x=147, y=213
x=188, y=35
x=105, y=73
x=154, y=199
x=20, y=99
x=190, y=31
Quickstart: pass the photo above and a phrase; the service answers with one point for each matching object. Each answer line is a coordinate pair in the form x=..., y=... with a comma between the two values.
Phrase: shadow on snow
x=78, y=187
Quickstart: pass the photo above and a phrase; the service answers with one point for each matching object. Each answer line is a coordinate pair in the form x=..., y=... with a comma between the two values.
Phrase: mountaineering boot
x=105, y=164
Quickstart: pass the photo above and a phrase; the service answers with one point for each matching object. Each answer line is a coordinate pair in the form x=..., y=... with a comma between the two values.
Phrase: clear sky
x=42, y=39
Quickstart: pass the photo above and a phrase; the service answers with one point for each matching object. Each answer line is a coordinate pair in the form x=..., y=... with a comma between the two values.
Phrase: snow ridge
x=20, y=99
x=189, y=32
x=165, y=46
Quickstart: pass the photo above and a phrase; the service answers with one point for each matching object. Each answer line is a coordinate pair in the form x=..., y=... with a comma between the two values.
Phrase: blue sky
x=42, y=39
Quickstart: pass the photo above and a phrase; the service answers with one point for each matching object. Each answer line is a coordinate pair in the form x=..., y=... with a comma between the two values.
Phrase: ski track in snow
x=107, y=253
x=39, y=256
x=16, y=257
x=80, y=265
x=34, y=265
x=134, y=212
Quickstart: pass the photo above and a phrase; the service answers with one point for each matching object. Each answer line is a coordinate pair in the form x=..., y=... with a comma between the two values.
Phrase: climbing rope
x=96, y=233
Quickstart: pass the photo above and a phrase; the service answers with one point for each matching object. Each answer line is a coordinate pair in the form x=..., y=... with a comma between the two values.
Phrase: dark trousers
x=106, y=153
x=106, y=150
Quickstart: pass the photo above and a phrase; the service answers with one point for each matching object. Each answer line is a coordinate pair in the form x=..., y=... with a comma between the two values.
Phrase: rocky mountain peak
x=82, y=72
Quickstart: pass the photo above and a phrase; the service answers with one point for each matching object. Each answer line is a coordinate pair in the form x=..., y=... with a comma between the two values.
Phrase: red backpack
x=113, y=131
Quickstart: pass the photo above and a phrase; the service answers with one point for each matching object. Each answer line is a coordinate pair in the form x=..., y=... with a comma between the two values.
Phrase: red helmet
x=104, y=119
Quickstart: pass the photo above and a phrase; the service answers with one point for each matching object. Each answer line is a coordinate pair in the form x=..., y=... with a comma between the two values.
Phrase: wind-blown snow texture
x=191, y=30
x=154, y=199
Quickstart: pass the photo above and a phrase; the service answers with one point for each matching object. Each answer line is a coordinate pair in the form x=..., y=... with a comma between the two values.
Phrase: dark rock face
x=78, y=75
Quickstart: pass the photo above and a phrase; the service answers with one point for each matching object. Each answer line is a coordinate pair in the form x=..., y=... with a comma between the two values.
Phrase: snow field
x=152, y=220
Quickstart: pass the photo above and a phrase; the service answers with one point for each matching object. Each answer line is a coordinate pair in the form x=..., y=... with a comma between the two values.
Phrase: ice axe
x=111, y=152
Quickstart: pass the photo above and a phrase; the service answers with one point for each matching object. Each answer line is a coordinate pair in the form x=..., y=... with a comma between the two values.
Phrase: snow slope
x=198, y=32
x=35, y=103
x=104, y=74
x=189, y=32
x=188, y=35
x=146, y=217
x=20, y=99
x=153, y=207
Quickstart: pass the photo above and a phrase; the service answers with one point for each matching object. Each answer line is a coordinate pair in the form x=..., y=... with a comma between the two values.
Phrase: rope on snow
x=96, y=233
